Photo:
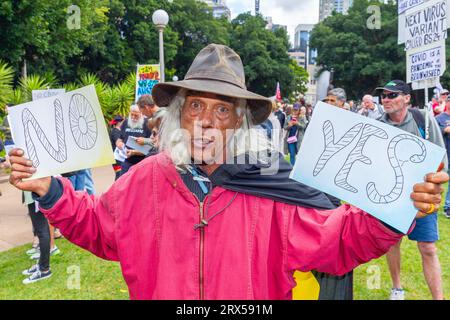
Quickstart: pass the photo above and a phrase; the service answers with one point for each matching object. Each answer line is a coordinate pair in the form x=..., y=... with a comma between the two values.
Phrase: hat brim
x=260, y=106
x=387, y=89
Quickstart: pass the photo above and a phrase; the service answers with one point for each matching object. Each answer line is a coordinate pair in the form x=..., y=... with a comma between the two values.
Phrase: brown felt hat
x=216, y=69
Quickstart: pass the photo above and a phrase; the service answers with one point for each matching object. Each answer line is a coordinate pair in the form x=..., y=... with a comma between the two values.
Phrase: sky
x=285, y=12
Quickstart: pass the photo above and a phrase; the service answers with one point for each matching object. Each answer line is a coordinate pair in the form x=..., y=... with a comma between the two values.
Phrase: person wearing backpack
x=444, y=123
x=395, y=97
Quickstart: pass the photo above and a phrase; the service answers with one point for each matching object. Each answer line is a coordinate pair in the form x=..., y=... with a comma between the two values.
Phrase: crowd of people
x=233, y=232
x=431, y=123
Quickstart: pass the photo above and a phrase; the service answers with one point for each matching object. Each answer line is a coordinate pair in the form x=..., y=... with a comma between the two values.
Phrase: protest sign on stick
x=147, y=76
x=63, y=133
x=420, y=24
x=426, y=62
x=365, y=162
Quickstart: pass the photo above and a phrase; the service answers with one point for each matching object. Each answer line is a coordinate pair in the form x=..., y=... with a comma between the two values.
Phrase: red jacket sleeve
x=335, y=241
x=87, y=221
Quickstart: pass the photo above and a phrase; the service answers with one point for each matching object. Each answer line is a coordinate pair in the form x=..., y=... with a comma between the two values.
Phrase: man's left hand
x=427, y=195
x=140, y=141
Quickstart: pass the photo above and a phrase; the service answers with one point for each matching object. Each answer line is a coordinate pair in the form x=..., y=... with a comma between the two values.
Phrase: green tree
x=362, y=58
x=38, y=32
x=6, y=89
x=196, y=27
x=299, y=82
x=264, y=55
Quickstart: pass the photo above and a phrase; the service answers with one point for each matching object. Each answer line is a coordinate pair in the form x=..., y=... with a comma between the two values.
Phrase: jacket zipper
x=202, y=253
x=202, y=250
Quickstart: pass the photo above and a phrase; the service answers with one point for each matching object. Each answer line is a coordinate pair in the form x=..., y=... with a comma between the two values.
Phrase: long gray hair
x=245, y=140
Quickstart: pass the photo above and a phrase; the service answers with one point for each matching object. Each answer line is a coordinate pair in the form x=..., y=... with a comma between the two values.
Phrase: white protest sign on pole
x=425, y=62
x=63, y=133
x=365, y=162
x=41, y=94
x=426, y=24
x=423, y=24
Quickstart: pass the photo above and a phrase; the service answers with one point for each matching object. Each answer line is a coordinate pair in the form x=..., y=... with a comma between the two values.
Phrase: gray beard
x=135, y=124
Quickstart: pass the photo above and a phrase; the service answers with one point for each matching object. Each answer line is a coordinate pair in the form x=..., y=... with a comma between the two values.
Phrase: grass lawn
x=100, y=279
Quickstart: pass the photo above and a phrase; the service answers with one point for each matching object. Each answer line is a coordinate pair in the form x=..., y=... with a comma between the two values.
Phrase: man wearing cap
x=444, y=123
x=441, y=106
x=395, y=97
x=207, y=218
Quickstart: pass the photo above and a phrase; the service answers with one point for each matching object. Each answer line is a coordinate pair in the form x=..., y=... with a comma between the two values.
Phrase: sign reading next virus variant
x=146, y=77
x=425, y=63
x=426, y=25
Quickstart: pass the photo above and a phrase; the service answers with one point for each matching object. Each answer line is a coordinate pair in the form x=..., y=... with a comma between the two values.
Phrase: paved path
x=15, y=225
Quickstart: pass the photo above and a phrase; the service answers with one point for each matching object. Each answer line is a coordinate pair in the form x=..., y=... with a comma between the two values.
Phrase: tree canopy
x=109, y=37
x=362, y=58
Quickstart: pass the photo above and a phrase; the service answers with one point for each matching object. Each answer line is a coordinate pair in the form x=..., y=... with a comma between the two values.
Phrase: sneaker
x=38, y=275
x=447, y=213
x=53, y=252
x=58, y=234
x=29, y=272
x=397, y=294
x=32, y=251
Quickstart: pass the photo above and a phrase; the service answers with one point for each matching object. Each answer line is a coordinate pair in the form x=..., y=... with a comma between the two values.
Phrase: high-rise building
x=220, y=8
x=306, y=57
x=326, y=7
x=272, y=26
x=301, y=43
x=257, y=7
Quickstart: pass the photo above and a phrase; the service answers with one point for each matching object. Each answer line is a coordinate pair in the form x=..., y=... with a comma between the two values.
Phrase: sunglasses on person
x=390, y=95
x=326, y=100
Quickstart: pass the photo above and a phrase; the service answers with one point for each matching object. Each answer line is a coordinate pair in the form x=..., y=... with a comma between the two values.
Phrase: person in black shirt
x=135, y=126
x=115, y=135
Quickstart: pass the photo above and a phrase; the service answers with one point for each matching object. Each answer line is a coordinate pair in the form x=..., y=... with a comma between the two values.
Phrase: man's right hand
x=22, y=168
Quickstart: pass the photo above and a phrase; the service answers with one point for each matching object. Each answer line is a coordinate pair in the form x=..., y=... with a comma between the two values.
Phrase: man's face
x=148, y=110
x=368, y=103
x=444, y=96
x=135, y=115
x=394, y=101
x=333, y=100
x=207, y=117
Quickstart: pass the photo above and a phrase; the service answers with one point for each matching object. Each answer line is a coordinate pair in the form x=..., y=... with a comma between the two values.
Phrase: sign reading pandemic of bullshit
x=63, y=133
x=426, y=63
x=365, y=162
x=147, y=76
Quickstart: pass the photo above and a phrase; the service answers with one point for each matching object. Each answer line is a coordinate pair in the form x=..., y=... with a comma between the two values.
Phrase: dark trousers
x=292, y=147
x=40, y=226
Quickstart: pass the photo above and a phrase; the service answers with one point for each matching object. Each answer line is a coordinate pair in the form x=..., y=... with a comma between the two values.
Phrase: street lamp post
x=161, y=19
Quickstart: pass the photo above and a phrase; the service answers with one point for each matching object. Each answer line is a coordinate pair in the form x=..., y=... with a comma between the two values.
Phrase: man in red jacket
x=203, y=219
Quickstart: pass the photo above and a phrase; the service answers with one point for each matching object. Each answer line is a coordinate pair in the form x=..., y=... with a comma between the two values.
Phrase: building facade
x=301, y=43
x=272, y=26
x=220, y=8
x=326, y=7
